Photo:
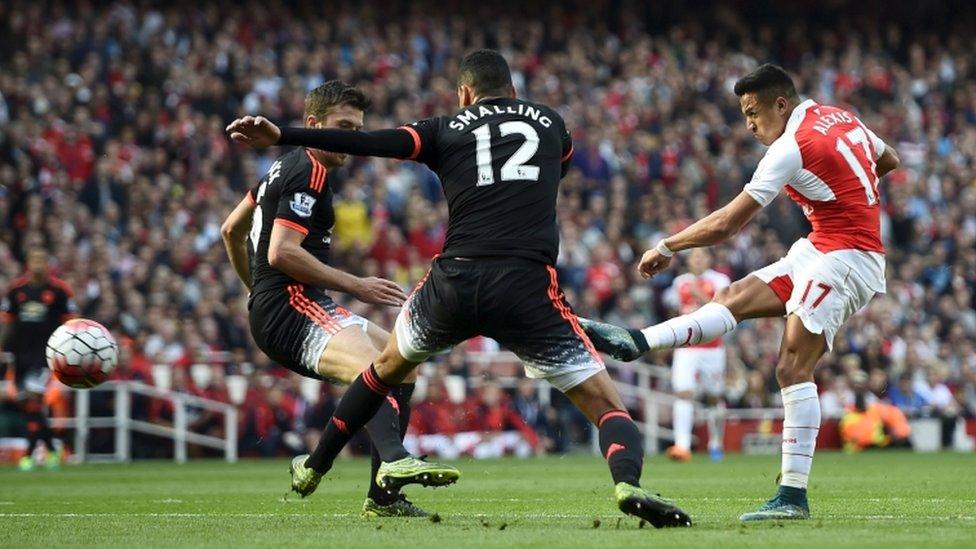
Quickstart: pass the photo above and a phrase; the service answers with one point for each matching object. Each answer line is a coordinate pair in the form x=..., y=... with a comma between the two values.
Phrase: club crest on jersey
x=302, y=204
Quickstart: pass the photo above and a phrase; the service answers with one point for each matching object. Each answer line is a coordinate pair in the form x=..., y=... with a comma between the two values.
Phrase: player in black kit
x=500, y=160
x=278, y=241
x=34, y=306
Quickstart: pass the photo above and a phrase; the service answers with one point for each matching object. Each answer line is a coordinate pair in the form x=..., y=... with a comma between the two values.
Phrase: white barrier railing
x=124, y=424
x=651, y=401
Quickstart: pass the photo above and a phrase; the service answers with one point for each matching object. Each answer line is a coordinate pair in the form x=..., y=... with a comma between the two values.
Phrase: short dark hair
x=334, y=93
x=486, y=71
x=768, y=82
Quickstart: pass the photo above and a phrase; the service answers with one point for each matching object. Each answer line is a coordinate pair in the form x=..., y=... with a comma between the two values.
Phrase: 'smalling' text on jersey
x=499, y=161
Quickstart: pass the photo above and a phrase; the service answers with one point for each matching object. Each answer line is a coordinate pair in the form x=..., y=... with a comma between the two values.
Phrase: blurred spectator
x=872, y=423
x=112, y=156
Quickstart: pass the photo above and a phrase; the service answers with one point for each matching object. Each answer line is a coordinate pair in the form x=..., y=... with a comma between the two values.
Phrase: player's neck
x=487, y=98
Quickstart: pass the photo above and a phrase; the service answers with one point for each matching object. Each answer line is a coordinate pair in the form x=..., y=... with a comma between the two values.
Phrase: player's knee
x=723, y=296
x=392, y=367
x=730, y=298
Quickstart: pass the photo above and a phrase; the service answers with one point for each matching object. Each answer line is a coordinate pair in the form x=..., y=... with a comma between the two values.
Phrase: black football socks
x=622, y=446
x=360, y=403
x=401, y=395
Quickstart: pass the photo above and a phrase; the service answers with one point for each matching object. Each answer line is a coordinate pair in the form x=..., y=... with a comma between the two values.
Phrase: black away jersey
x=499, y=162
x=294, y=193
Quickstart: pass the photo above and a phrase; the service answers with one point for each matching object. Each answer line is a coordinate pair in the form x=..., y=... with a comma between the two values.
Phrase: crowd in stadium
x=113, y=157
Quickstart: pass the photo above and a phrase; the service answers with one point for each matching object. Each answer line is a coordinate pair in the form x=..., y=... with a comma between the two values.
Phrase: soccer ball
x=82, y=353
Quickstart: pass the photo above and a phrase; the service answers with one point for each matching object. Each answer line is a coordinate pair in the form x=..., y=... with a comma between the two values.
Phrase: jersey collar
x=491, y=100
x=798, y=114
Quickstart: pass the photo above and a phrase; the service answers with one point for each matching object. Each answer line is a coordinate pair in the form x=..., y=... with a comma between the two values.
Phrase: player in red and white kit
x=697, y=369
x=829, y=163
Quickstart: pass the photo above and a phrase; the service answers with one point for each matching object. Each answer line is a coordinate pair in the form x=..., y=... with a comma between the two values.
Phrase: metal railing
x=124, y=424
x=651, y=401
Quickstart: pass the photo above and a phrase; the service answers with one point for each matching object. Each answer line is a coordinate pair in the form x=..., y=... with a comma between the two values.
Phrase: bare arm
x=888, y=162
x=286, y=254
x=234, y=233
x=712, y=229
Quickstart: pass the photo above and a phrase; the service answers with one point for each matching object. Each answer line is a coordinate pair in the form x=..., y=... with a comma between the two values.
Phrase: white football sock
x=707, y=323
x=716, y=426
x=683, y=421
x=800, y=426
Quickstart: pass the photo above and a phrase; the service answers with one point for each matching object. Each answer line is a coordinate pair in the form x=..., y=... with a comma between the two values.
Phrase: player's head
x=699, y=261
x=37, y=263
x=767, y=97
x=483, y=73
x=335, y=104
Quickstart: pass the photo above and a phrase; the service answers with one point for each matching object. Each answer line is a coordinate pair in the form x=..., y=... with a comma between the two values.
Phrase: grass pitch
x=875, y=499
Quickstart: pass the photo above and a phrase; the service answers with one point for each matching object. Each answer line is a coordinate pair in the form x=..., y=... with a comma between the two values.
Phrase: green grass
x=875, y=499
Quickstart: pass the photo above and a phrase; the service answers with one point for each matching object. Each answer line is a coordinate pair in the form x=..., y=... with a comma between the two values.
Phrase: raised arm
x=259, y=132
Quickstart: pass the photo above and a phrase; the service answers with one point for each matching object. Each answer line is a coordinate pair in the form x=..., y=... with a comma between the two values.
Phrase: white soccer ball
x=82, y=353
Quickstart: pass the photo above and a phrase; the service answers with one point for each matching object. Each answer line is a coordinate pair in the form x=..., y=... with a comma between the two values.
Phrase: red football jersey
x=826, y=160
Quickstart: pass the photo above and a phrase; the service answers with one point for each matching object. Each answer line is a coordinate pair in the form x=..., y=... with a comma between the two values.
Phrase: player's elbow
x=279, y=255
x=895, y=161
x=231, y=231
x=276, y=257
x=227, y=231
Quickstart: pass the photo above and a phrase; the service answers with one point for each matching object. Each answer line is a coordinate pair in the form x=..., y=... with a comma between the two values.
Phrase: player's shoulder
x=820, y=119
x=300, y=170
x=550, y=114
x=18, y=283
x=296, y=158
x=61, y=285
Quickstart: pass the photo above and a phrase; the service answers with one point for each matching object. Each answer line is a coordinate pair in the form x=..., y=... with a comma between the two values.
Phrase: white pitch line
x=512, y=516
x=271, y=515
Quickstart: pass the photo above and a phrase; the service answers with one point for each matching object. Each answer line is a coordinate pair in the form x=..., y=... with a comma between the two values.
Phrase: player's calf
x=801, y=349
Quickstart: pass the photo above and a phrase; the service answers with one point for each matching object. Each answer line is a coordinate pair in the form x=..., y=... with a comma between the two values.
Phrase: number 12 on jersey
x=515, y=168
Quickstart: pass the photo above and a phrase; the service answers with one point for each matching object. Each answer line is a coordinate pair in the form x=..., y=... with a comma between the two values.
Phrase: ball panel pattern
x=82, y=353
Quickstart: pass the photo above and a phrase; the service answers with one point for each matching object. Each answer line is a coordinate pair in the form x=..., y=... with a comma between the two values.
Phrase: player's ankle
x=640, y=341
x=792, y=494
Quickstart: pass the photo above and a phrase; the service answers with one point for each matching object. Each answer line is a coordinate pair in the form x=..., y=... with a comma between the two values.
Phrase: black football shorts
x=514, y=301
x=293, y=325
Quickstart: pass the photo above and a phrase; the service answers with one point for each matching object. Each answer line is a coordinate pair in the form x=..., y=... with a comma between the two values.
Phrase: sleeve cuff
x=287, y=136
x=568, y=155
x=416, y=141
x=291, y=225
x=760, y=197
